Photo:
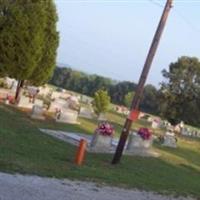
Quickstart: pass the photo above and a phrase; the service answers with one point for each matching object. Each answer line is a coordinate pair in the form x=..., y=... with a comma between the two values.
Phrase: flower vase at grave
x=140, y=143
x=102, y=139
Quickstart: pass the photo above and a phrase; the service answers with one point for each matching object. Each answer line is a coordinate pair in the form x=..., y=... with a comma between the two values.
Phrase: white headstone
x=24, y=102
x=67, y=116
x=138, y=146
x=86, y=113
x=102, y=117
x=101, y=143
x=37, y=112
x=170, y=140
x=58, y=104
x=155, y=124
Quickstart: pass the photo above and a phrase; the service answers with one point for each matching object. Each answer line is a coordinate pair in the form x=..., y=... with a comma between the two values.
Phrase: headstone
x=39, y=102
x=73, y=102
x=11, y=83
x=150, y=119
x=67, y=116
x=155, y=124
x=37, y=112
x=138, y=146
x=170, y=140
x=55, y=95
x=101, y=143
x=45, y=90
x=24, y=102
x=86, y=113
x=102, y=117
x=141, y=115
x=86, y=99
x=58, y=104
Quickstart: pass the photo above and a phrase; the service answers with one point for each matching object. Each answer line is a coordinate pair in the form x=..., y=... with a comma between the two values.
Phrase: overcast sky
x=112, y=38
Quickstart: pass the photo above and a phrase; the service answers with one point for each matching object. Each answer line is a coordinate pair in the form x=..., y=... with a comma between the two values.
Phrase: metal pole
x=141, y=83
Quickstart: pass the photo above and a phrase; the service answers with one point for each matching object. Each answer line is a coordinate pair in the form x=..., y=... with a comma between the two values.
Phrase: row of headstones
x=191, y=133
x=68, y=116
x=135, y=144
x=62, y=111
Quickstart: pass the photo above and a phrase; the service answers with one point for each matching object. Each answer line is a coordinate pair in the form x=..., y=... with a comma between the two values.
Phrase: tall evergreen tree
x=44, y=70
x=23, y=39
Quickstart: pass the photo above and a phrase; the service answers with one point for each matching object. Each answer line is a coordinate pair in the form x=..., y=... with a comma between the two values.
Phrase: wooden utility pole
x=141, y=83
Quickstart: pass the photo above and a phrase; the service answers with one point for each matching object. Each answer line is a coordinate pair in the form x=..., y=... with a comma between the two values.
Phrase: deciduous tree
x=101, y=102
x=180, y=93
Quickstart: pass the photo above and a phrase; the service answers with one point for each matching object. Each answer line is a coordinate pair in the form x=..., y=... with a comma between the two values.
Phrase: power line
x=156, y=3
x=187, y=21
x=180, y=15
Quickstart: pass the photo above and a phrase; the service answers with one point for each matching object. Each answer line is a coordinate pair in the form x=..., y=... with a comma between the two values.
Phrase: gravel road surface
x=19, y=187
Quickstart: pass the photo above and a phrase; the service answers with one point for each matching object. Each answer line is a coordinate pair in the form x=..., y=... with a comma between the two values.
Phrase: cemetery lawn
x=24, y=149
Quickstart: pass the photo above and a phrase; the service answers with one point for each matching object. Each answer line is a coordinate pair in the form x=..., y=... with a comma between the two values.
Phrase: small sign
x=134, y=114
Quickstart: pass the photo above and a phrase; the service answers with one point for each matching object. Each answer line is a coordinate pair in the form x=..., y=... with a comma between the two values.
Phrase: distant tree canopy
x=177, y=99
x=120, y=90
x=179, y=95
x=28, y=39
x=89, y=84
x=150, y=102
x=79, y=81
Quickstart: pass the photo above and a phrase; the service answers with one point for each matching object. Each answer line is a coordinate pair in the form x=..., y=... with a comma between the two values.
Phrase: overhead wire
x=156, y=3
x=187, y=21
x=180, y=15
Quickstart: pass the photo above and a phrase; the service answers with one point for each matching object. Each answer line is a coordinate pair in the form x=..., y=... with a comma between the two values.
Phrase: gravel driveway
x=19, y=187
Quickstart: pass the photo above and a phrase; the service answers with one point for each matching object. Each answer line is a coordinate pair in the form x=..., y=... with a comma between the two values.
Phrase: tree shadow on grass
x=185, y=153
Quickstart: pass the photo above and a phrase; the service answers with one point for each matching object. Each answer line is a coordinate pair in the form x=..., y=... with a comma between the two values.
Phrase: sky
x=112, y=37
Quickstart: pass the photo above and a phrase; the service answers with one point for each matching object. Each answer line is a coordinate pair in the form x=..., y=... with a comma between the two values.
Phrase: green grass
x=24, y=149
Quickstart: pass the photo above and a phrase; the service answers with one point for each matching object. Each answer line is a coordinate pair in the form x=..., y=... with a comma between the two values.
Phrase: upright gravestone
x=67, y=116
x=86, y=113
x=138, y=146
x=37, y=112
x=101, y=143
x=170, y=140
x=102, y=138
x=102, y=117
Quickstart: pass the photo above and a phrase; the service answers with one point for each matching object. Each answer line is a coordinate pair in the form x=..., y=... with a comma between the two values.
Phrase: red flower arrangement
x=106, y=129
x=144, y=133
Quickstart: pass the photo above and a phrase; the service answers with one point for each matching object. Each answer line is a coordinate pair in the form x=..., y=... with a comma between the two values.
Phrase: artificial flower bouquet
x=105, y=129
x=145, y=133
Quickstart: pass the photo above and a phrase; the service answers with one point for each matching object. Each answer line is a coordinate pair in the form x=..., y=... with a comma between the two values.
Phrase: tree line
x=28, y=45
x=177, y=99
x=88, y=84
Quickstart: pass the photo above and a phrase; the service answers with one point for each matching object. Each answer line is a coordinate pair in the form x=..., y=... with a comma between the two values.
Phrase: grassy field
x=24, y=149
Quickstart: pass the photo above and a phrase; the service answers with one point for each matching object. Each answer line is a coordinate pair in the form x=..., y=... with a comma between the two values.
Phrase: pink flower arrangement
x=144, y=133
x=106, y=129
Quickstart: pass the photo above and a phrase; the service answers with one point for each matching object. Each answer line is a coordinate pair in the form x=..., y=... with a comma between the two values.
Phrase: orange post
x=80, y=154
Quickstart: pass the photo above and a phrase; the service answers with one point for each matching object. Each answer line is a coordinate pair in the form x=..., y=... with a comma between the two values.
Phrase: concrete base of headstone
x=68, y=116
x=37, y=112
x=170, y=141
x=101, y=143
x=137, y=146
